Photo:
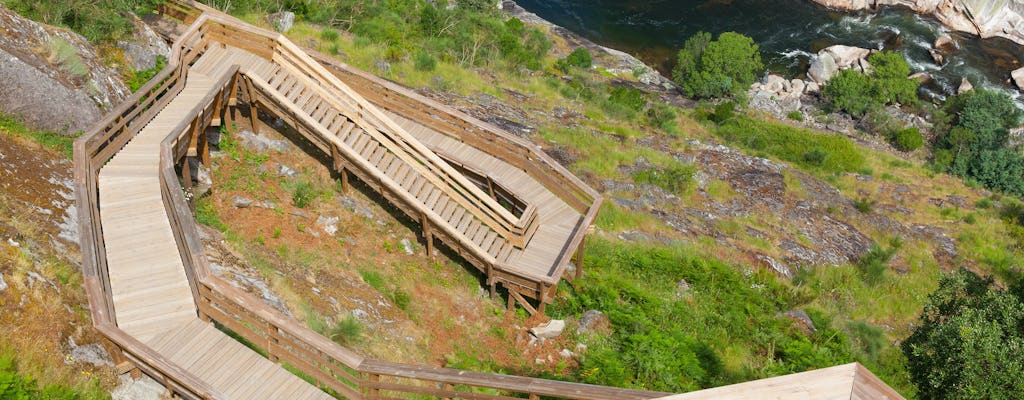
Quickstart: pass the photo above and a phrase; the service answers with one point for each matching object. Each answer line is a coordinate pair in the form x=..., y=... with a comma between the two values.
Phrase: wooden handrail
x=330, y=364
x=403, y=145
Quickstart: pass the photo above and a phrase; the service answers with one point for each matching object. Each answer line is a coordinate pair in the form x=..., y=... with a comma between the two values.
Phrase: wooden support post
x=253, y=107
x=339, y=167
x=428, y=236
x=448, y=387
x=578, y=258
x=272, y=343
x=186, y=173
x=374, y=392
x=490, y=279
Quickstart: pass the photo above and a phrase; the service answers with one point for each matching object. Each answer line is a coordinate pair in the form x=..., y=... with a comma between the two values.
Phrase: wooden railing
x=272, y=46
x=332, y=367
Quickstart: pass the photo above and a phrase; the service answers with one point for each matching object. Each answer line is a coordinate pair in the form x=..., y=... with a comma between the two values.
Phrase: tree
x=969, y=341
x=717, y=68
x=850, y=91
x=972, y=137
x=891, y=83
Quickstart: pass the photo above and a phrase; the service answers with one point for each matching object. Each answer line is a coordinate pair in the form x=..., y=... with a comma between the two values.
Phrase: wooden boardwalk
x=152, y=298
x=497, y=200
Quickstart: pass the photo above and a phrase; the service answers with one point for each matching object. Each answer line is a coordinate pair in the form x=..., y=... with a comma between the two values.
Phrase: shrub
x=138, y=79
x=661, y=116
x=850, y=91
x=858, y=93
x=717, y=68
x=674, y=179
x=329, y=35
x=795, y=115
x=303, y=194
x=723, y=112
x=425, y=62
x=627, y=97
x=579, y=58
x=346, y=331
x=909, y=139
x=872, y=265
x=864, y=205
x=66, y=55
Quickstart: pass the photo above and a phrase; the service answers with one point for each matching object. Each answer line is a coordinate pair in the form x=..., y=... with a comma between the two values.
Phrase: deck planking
x=153, y=301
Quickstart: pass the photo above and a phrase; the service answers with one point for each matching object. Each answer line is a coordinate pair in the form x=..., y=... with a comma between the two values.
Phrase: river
x=788, y=31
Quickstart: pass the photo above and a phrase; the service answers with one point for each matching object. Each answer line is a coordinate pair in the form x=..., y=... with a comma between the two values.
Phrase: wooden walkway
x=495, y=199
x=152, y=298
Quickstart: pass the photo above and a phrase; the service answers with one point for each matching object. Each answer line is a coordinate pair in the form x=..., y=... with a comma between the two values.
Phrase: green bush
x=579, y=58
x=675, y=179
x=851, y=91
x=425, y=61
x=627, y=97
x=661, y=116
x=909, y=139
x=329, y=35
x=872, y=265
x=887, y=83
x=723, y=112
x=795, y=115
x=717, y=68
x=97, y=20
x=67, y=56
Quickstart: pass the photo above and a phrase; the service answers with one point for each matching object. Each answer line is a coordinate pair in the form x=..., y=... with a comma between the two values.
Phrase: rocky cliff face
x=52, y=77
x=985, y=18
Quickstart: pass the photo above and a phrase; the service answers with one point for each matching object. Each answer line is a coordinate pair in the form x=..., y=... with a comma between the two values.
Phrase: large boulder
x=52, y=78
x=1018, y=77
x=831, y=59
x=822, y=68
x=846, y=56
x=144, y=46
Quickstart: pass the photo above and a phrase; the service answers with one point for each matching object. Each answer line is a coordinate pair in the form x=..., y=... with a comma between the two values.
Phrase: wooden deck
x=158, y=306
x=152, y=298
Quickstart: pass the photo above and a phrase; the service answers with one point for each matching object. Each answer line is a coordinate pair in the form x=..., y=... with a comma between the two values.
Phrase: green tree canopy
x=969, y=341
x=717, y=68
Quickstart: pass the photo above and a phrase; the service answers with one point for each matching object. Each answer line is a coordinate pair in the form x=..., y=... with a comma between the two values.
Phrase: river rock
x=822, y=68
x=549, y=330
x=1018, y=77
x=986, y=18
x=965, y=86
x=921, y=77
x=799, y=86
x=281, y=21
x=846, y=56
x=945, y=43
x=774, y=84
x=142, y=49
x=937, y=57
x=52, y=77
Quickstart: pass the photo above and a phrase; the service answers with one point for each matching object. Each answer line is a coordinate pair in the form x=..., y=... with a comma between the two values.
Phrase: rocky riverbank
x=985, y=18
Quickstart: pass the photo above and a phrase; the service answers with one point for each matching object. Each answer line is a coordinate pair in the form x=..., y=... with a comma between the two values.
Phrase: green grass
x=61, y=143
x=64, y=54
x=726, y=329
x=137, y=79
x=15, y=385
x=674, y=179
x=815, y=151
